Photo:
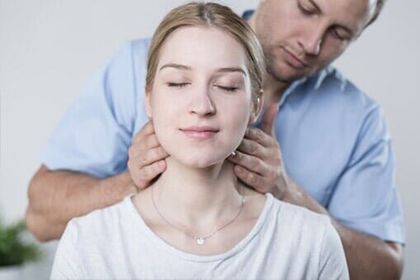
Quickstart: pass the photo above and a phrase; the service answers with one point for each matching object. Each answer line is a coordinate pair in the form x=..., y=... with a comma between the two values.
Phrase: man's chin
x=286, y=77
x=286, y=74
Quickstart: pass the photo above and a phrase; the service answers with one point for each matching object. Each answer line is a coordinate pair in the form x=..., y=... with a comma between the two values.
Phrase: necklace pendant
x=200, y=240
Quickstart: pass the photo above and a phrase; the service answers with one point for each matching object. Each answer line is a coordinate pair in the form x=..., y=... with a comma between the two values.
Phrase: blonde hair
x=212, y=15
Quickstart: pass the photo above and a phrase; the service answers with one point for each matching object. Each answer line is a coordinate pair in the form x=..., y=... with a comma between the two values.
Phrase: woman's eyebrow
x=188, y=68
x=232, y=69
x=176, y=66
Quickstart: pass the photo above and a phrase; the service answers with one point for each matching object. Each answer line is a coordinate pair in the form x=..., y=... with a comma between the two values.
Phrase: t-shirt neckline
x=163, y=245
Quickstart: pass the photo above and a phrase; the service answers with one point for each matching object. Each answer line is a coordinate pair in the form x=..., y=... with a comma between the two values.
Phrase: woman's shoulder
x=285, y=212
x=91, y=227
x=110, y=212
x=301, y=222
x=90, y=242
x=298, y=215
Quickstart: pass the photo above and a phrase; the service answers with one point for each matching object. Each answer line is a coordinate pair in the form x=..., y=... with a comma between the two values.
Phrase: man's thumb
x=267, y=121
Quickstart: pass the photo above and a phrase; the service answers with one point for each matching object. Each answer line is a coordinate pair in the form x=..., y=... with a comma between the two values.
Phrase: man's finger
x=148, y=173
x=138, y=149
x=149, y=141
x=268, y=118
x=249, y=162
x=250, y=178
x=256, y=134
x=147, y=129
x=151, y=156
x=251, y=147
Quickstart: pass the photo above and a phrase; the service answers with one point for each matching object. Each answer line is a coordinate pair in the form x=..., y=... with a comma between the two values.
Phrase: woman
x=203, y=89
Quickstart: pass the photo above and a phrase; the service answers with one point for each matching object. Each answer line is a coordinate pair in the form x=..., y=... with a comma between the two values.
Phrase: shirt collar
x=246, y=15
x=315, y=79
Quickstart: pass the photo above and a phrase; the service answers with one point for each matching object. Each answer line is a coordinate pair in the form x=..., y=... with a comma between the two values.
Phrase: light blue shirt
x=333, y=138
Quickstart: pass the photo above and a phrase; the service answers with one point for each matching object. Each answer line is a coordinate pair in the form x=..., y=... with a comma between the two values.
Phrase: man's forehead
x=351, y=13
x=371, y=3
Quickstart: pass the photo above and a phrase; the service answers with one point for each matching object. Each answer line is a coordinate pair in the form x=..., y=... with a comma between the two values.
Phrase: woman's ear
x=258, y=102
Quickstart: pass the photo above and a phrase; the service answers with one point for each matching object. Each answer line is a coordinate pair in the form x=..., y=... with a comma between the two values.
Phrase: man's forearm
x=367, y=257
x=57, y=196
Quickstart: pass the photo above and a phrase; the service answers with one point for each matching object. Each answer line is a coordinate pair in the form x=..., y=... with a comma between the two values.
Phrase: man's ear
x=148, y=104
x=258, y=102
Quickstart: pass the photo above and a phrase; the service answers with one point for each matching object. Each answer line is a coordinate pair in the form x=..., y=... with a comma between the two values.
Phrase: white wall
x=49, y=50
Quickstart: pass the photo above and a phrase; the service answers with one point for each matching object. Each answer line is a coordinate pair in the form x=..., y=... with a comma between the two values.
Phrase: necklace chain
x=200, y=240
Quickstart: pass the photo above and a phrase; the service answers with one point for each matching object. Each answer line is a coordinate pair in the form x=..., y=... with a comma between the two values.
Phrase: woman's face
x=200, y=100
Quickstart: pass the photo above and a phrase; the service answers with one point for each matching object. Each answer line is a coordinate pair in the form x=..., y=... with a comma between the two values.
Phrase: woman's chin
x=201, y=161
x=202, y=164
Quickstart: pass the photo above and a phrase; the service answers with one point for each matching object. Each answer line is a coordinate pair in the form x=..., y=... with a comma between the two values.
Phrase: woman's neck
x=198, y=197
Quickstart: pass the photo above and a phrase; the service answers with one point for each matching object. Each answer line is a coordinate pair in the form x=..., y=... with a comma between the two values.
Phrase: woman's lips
x=199, y=132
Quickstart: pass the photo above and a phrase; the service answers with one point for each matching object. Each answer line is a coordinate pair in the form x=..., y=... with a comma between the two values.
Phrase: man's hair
x=209, y=15
x=378, y=8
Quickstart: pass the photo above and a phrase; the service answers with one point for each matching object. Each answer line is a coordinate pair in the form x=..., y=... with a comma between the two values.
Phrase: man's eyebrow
x=175, y=65
x=346, y=28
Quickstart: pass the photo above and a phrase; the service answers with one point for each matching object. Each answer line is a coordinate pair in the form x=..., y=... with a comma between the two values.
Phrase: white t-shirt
x=287, y=242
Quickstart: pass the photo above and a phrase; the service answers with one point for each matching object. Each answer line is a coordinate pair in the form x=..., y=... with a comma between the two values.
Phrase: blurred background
x=49, y=50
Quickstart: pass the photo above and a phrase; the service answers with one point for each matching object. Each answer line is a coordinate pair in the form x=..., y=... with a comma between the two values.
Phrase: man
x=322, y=144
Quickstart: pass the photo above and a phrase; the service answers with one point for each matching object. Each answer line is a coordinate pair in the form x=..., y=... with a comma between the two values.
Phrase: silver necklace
x=200, y=240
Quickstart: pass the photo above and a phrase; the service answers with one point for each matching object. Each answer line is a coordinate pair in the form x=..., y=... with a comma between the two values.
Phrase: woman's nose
x=202, y=103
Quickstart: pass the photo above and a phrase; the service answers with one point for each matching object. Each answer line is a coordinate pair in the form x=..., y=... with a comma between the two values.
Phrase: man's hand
x=258, y=160
x=146, y=158
x=259, y=164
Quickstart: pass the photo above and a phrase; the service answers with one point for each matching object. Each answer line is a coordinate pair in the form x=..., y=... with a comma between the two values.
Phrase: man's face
x=300, y=37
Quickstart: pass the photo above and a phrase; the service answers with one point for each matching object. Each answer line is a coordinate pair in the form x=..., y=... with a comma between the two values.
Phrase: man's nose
x=202, y=103
x=311, y=40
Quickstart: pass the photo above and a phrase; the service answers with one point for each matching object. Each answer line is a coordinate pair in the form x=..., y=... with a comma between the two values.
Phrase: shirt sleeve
x=94, y=135
x=365, y=197
x=333, y=265
x=67, y=262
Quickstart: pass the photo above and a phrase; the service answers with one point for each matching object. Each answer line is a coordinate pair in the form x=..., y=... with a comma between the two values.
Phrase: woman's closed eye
x=227, y=88
x=177, y=84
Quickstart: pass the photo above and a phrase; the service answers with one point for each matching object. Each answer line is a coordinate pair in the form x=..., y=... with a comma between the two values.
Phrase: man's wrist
x=294, y=194
x=115, y=188
x=291, y=192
